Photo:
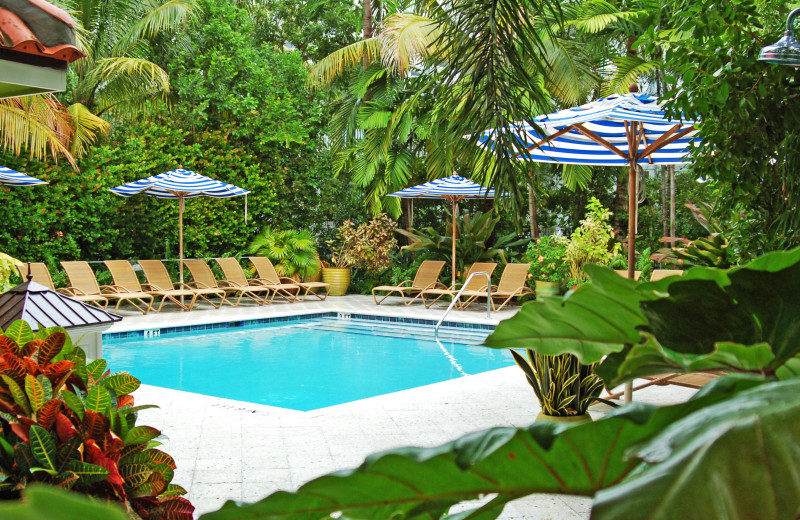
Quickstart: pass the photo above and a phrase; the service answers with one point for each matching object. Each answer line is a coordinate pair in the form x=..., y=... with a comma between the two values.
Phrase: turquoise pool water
x=307, y=364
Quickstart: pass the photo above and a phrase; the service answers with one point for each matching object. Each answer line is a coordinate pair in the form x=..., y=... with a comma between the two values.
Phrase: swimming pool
x=306, y=364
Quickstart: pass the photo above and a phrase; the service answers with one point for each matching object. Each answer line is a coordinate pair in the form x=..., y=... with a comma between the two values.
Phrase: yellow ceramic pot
x=339, y=278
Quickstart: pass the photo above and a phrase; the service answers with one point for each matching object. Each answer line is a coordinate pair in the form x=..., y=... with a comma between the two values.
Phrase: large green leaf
x=43, y=447
x=43, y=502
x=591, y=322
x=87, y=473
x=18, y=394
x=98, y=399
x=121, y=384
x=736, y=459
x=543, y=458
x=20, y=332
x=35, y=392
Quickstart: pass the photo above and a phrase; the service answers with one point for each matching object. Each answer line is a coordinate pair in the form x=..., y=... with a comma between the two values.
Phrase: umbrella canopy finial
x=634, y=88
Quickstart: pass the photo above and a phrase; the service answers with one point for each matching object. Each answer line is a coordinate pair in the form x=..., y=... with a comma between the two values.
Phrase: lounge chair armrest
x=71, y=291
x=114, y=288
x=229, y=284
x=404, y=282
x=286, y=279
x=435, y=285
x=179, y=285
x=150, y=287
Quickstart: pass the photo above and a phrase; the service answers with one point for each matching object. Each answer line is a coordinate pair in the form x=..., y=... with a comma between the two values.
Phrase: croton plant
x=73, y=425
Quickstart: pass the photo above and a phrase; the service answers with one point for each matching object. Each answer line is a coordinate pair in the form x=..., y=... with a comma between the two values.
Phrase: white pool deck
x=233, y=450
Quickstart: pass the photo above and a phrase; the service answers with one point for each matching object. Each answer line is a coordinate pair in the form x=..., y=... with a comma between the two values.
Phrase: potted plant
x=549, y=268
x=367, y=246
x=564, y=387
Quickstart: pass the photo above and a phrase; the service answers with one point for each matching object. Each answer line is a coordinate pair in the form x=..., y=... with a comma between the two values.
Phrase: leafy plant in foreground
x=73, y=425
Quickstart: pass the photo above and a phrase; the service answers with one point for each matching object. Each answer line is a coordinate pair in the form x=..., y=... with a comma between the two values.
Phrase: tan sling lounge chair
x=477, y=283
x=82, y=279
x=286, y=287
x=624, y=273
x=204, y=279
x=124, y=276
x=236, y=277
x=158, y=279
x=42, y=276
x=513, y=284
x=659, y=274
x=427, y=277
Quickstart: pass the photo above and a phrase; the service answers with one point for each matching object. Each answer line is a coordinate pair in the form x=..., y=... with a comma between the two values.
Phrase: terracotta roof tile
x=39, y=28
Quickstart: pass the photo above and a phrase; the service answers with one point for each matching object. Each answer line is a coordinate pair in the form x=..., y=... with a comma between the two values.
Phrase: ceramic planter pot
x=547, y=289
x=339, y=278
x=566, y=419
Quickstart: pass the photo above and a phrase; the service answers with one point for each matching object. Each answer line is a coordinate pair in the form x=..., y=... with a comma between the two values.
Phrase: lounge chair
x=83, y=281
x=204, y=279
x=475, y=284
x=513, y=284
x=286, y=287
x=158, y=279
x=427, y=277
x=624, y=273
x=124, y=276
x=42, y=276
x=236, y=277
x=659, y=274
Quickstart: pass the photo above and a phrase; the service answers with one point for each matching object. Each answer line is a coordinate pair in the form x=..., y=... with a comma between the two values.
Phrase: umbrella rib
x=551, y=137
x=667, y=139
x=644, y=141
x=599, y=140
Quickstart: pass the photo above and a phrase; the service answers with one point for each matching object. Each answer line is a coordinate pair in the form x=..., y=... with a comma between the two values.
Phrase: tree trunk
x=672, y=203
x=532, y=207
x=664, y=207
x=408, y=213
x=366, y=19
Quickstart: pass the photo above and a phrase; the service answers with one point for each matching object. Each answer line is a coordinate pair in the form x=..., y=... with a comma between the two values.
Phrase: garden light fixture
x=785, y=51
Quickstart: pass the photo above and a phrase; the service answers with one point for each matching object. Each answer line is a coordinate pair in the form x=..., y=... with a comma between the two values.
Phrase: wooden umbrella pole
x=454, y=242
x=180, y=236
x=632, y=158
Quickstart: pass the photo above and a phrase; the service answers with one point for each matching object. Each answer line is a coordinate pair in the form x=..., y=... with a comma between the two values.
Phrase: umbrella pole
x=180, y=236
x=454, y=242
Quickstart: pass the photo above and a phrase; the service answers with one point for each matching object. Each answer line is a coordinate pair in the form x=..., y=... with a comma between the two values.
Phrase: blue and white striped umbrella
x=15, y=178
x=451, y=188
x=620, y=130
x=597, y=134
x=454, y=189
x=181, y=184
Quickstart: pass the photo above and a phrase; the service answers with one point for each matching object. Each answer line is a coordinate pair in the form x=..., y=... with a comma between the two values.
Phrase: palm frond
x=595, y=16
x=161, y=17
x=576, y=175
x=628, y=70
x=125, y=79
x=338, y=62
x=87, y=126
x=407, y=39
x=39, y=124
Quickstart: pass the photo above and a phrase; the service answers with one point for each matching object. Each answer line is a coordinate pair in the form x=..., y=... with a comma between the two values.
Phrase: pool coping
x=221, y=322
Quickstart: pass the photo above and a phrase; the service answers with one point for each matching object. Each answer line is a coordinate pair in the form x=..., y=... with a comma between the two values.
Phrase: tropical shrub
x=475, y=232
x=547, y=258
x=592, y=242
x=8, y=266
x=294, y=253
x=712, y=251
x=640, y=461
x=73, y=425
x=368, y=246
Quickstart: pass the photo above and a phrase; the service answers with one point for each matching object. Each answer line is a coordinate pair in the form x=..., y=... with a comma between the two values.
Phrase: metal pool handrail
x=458, y=295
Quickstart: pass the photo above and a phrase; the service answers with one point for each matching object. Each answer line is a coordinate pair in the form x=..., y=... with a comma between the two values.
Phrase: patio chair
x=83, y=281
x=41, y=275
x=124, y=276
x=475, y=284
x=158, y=278
x=286, y=287
x=513, y=284
x=624, y=273
x=659, y=274
x=427, y=277
x=236, y=278
x=204, y=279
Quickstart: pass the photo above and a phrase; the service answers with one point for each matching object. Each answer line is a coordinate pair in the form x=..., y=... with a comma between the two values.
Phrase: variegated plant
x=563, y=385
x=73, y=425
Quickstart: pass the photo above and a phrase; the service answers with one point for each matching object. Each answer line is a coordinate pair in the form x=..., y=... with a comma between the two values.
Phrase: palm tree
x=116, y=74
x=39, y=124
